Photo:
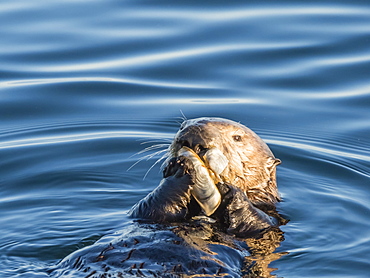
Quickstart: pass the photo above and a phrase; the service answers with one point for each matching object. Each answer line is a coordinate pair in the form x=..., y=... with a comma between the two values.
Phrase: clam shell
x=216, y=160
x=204, y=189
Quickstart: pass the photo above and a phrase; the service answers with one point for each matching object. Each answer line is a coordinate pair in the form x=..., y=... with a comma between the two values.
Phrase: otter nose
x=196, y=145
x=195, y=137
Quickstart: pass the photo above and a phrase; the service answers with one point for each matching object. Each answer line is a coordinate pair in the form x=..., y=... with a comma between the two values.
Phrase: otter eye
x=237, y=138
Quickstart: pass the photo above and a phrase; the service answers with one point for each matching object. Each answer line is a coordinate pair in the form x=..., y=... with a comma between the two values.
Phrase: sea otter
x=217, y=196
x=240, y=164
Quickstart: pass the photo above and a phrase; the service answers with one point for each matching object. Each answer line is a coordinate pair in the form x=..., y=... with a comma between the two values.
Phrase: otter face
x=251, y=164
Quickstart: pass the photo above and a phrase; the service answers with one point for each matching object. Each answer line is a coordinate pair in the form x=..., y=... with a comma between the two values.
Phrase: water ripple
x=241, y=12
x=72, y=138
x=135, y=81
x=152, y=59
x=82, y=83
x=74, y=132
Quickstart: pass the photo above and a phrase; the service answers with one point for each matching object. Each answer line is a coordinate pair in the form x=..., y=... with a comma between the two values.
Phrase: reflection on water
x=83, y=84
x=263, y=253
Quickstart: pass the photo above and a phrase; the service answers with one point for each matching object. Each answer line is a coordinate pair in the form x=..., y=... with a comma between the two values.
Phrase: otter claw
x=177, y=167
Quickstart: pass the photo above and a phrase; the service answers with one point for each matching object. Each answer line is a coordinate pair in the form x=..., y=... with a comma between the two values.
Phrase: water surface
x=86, y=85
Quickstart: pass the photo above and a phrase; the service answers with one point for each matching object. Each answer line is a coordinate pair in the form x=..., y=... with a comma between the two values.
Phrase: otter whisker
x=156, y=162
x=183, y=116
x=146, y=157
x=150, y=156
x=154, y=147
x=159, y=140
x=137, y=162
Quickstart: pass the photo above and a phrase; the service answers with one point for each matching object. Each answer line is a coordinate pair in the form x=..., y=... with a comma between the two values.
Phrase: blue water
x=86, y=85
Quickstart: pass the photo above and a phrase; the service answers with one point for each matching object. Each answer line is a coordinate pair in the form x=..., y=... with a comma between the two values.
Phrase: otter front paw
x=178, y=167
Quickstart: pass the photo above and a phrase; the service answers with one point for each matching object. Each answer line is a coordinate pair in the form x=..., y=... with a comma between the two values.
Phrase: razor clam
x=204, y=189
x=216, y=160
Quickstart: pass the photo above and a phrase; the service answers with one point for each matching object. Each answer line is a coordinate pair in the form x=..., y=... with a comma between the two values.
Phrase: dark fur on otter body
x=170, y=241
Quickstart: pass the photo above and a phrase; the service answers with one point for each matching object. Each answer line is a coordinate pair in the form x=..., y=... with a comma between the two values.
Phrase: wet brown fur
x=252, y=165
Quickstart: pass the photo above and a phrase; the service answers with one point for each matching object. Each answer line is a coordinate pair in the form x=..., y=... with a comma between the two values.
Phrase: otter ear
x=277, y=162
x=272, y=163
x=271, y=172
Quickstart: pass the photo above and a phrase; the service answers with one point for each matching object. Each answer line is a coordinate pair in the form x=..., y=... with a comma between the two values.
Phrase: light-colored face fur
x=252, y=166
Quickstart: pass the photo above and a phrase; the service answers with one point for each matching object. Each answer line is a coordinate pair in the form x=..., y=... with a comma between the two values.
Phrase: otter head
x=251, y=164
